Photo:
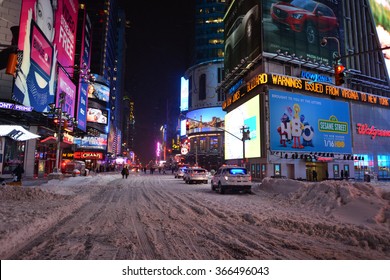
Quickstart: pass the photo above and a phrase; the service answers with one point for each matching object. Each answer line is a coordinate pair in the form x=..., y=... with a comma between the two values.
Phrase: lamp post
x=324, y=42
x=58, y=113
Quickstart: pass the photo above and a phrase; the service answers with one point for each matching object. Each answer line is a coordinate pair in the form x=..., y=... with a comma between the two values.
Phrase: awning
x=17, y=133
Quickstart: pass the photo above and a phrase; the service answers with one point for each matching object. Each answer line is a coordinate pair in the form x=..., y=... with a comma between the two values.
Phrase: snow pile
x=356, y=202
x=20, y=193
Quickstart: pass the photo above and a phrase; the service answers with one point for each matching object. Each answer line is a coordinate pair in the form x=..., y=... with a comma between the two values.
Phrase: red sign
x=365, y=129
x=88, y=155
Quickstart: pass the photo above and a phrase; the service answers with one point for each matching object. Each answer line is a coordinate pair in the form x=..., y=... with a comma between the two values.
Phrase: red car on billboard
x=307, y=17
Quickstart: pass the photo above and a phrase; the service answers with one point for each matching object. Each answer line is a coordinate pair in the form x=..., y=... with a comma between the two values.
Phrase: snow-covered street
x=105, y=217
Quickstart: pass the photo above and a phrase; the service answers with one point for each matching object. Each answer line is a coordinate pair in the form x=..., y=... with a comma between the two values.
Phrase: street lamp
x=58, y=112
x=324, y=42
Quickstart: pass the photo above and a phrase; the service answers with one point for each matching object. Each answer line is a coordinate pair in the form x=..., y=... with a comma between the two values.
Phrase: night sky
x=159, y=44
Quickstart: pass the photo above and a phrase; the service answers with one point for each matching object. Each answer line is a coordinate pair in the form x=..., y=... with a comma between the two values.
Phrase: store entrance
x=316, y=168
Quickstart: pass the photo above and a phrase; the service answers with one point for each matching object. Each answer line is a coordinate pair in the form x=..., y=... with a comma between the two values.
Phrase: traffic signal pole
x=244, y=130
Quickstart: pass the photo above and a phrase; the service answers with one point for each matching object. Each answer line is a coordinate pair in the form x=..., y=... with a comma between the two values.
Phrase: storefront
x=304, y=130
x=371, y=138
x=13, y=146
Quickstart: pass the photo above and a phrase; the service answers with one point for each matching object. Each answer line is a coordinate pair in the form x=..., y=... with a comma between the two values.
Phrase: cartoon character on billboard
x=35, y=79
x=284, y=130
x=307, y=133
x=296, y=127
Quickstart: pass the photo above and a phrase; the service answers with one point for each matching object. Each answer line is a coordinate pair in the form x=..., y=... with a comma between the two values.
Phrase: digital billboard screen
x=381, y=13
x=242, y=32
x=206, y=119
x=34, y=83
x=294, y=27
x=92, y=142
x=308, y=124
x=44, y=26
x=97, y=115
x=298, y=27
x=246, y=115
x=98, y=91
x=184, y=88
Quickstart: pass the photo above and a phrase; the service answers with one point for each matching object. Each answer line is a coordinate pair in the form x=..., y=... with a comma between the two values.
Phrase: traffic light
x=246, y=135
x=339, y=74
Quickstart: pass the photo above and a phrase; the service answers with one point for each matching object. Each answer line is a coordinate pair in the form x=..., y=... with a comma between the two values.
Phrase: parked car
x=196, y=175
x=305, y=16
x=231, y=178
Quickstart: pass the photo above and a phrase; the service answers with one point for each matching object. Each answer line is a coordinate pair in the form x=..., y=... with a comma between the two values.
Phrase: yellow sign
x=306, y=85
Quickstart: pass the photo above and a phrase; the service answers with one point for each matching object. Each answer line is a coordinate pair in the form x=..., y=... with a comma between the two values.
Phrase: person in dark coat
x=124, y=172
x=18, y=171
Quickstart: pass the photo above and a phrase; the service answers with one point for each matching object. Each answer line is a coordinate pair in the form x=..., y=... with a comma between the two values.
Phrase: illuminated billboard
x=65, y=85
x=246, y=115
x=44, y=25
x=205, y=120
x=92, y=142
x=308, y=124
x=97, y=115
x=297, y=27
x=381, y=12
x=34, y=83
x=289, y=27
x=184, y=88
x=98, y=91
x=242, y=32
x=84, y=60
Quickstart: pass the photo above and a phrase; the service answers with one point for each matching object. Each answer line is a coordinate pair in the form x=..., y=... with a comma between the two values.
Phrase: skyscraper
x=206, y=72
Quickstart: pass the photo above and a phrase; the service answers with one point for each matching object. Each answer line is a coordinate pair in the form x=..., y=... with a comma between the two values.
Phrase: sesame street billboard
x=301, y=123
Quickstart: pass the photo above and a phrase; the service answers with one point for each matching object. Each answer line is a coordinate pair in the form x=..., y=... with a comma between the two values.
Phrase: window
x=202, y=87
x=202, y=144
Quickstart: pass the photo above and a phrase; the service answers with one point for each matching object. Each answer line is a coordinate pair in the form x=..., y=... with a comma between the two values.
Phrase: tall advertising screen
x=47, y=35
x=246, y=115
x=242, y=32
x=65, y=85
x=381, y=12
x=184, y=88
x=83, y=85
x=303, y=123
x=298, y=27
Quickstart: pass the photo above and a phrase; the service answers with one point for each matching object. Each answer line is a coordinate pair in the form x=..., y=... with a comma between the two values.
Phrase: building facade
x=46, y=94
x=280, y=85
x=203, y=141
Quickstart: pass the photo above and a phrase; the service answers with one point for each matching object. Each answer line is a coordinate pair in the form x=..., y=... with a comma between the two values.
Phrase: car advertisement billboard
x=308, y=124
x=65, y=85
x=242, y=32
x=205, y=120
x=381, y=13
x=246, y=115
x=297, y=28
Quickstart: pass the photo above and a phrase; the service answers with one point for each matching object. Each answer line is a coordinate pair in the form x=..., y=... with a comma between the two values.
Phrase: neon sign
x=365, y=129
